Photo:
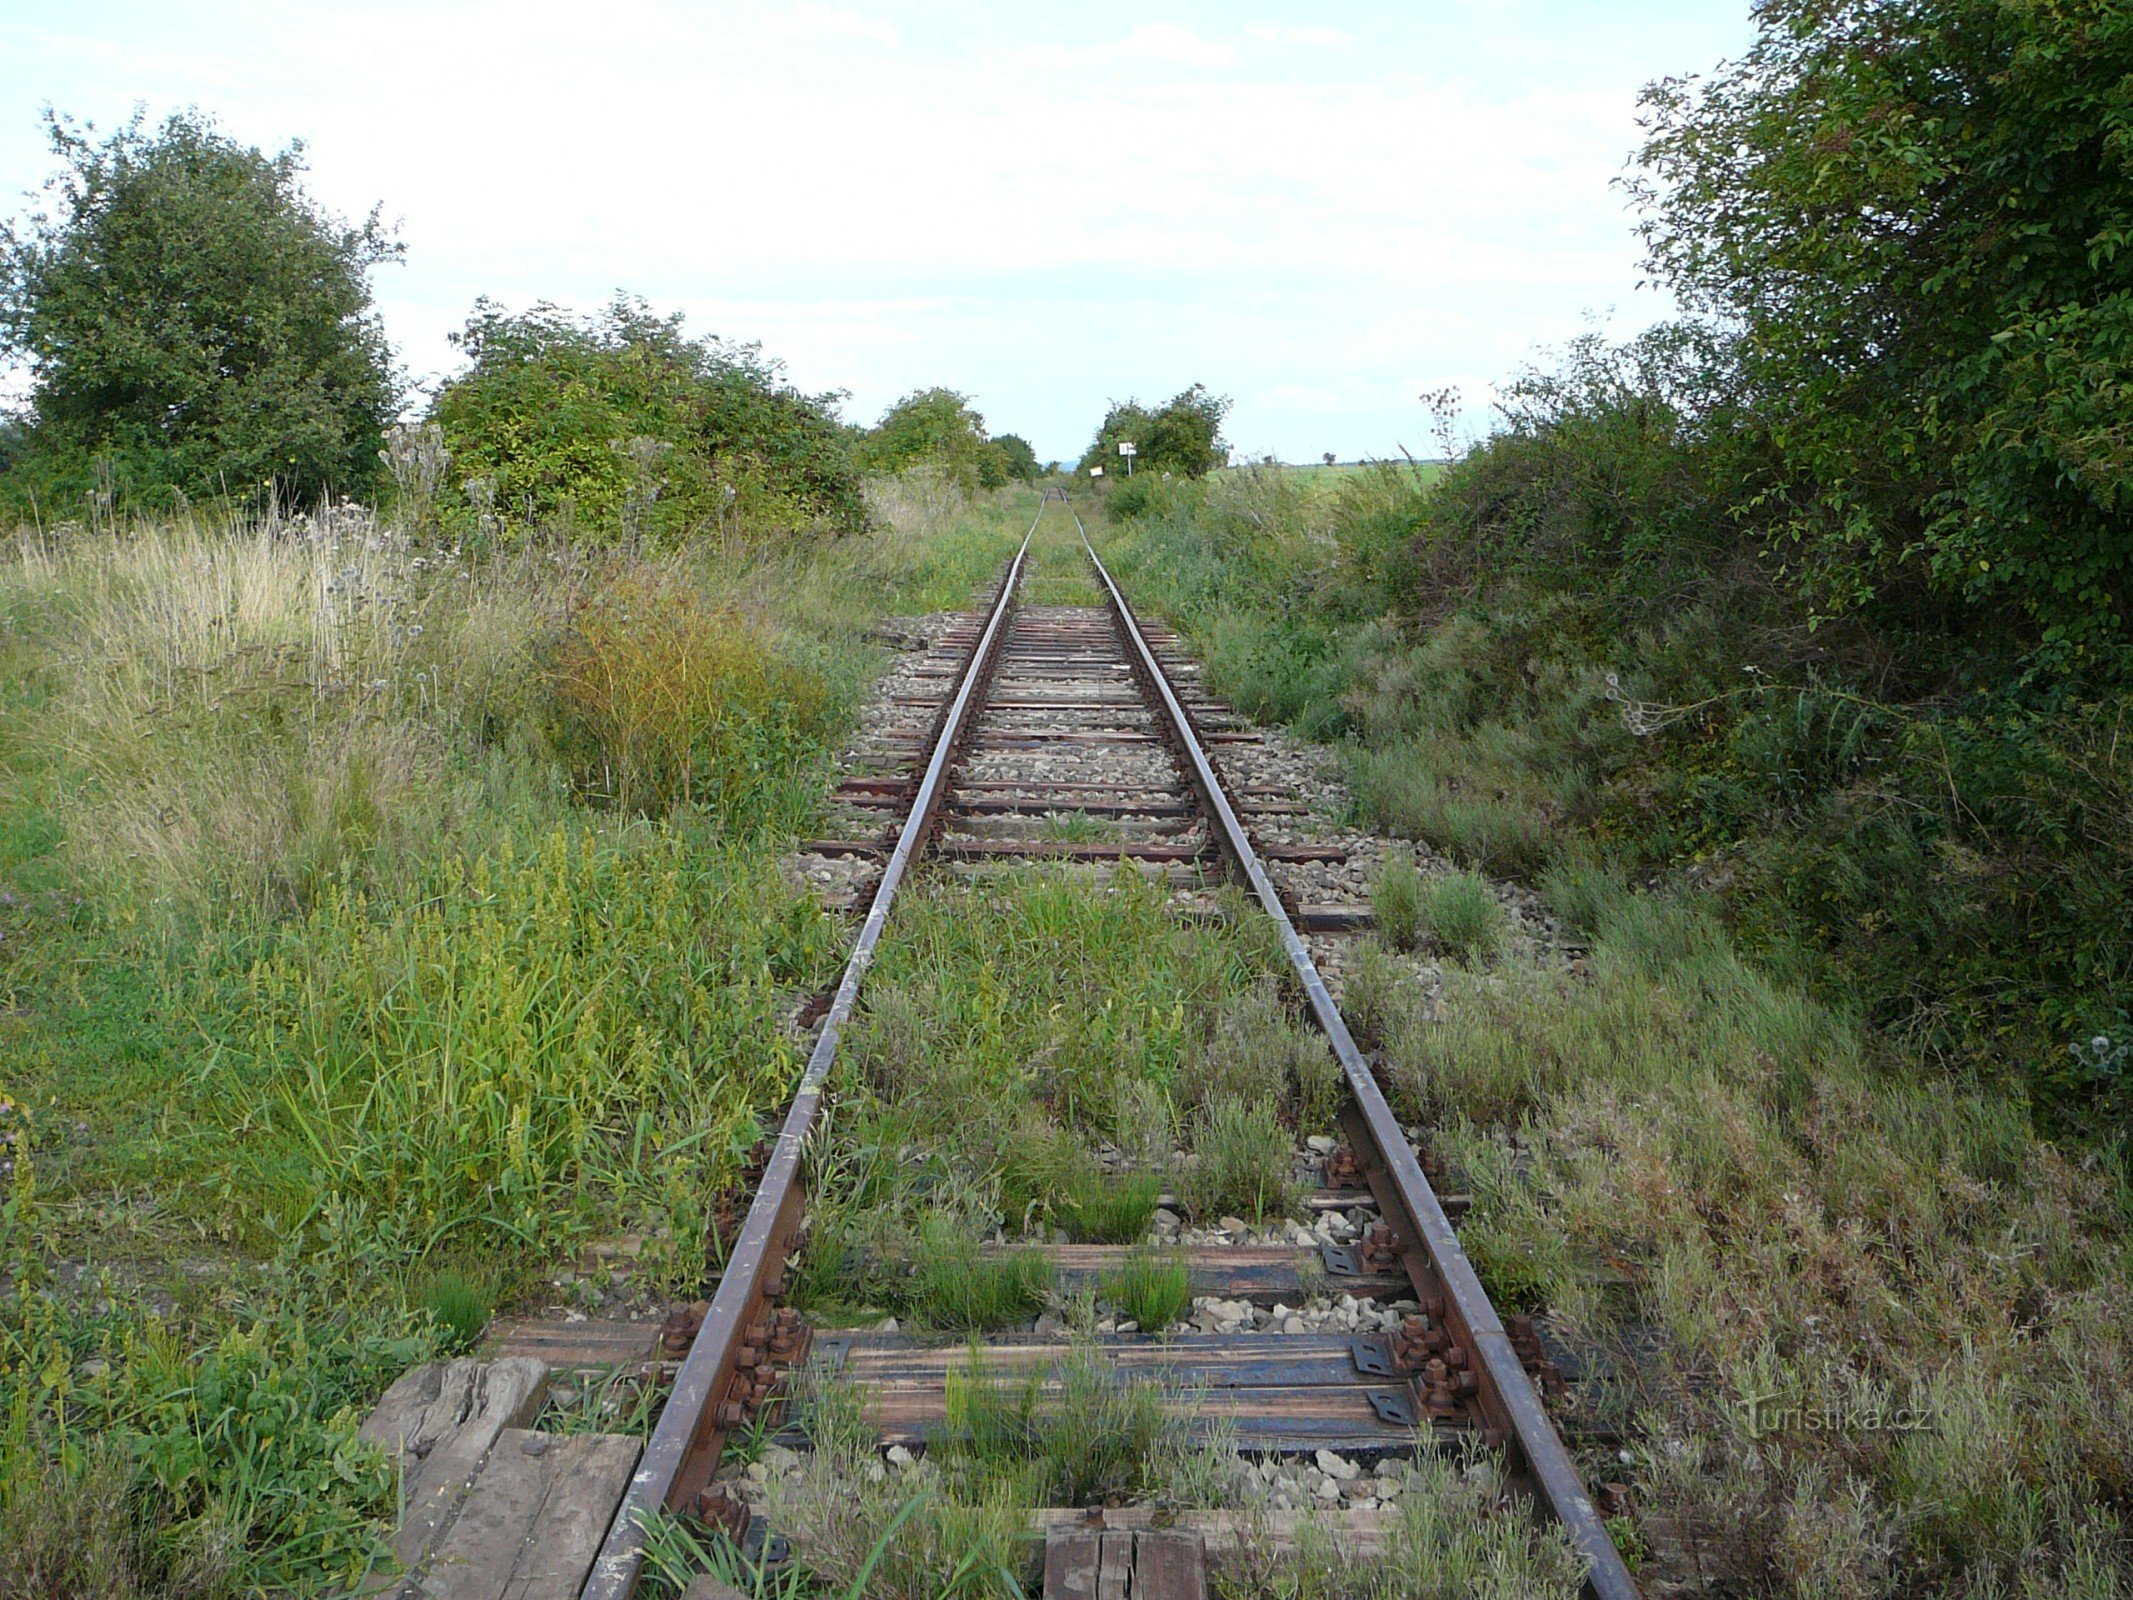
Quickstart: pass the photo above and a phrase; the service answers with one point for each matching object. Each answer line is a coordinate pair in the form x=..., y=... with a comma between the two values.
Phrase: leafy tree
x=937, y=428
x=1918, y=215
x=1022, y=463
x=191, y=321
x=1183, y=437
x=620, y=425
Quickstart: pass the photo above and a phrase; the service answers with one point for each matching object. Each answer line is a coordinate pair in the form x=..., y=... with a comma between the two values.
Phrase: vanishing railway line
x=1053, y=709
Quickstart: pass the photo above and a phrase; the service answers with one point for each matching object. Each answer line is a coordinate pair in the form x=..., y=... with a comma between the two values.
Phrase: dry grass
x=1894, y=1324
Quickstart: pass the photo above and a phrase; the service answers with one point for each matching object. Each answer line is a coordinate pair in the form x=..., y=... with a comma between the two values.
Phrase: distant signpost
x=1129, y=451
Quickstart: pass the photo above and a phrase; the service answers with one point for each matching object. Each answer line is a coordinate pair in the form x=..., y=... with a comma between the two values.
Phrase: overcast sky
x=1319, y=210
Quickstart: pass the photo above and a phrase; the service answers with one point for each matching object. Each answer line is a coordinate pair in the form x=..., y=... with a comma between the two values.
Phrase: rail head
x=1509, y=1398
x=682, y=1453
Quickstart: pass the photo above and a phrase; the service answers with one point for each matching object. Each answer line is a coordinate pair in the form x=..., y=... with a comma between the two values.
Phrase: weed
x=1463, y=915
x=1110, y=1207
x=1396, y=901
x=666, y=699
x=615, y=1400
x=1242, y=1162
x=1077, y=827
x=1080, y=1436
x=862, y=1529
x=957, y=1284
x=1153, y=1290
x=459, y=1303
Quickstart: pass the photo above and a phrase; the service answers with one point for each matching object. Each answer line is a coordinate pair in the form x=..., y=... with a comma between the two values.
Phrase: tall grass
x=540, y=1040
x=668, y=699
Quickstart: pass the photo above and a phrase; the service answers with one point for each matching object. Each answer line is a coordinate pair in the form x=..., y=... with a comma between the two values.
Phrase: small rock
x=889, y=1325
x=1360, y=1489
x=1334, y=1466
x=1049, y=1324
x=757, y=1472
x=1165, y=1218
x=1328, y=1490
x=1321, y=1143
x=1234, y=1225
x=900, y=1458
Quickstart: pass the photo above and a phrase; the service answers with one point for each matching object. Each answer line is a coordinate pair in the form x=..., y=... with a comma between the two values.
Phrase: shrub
x=194, y=324
x=1182, y=436
x=1463, y=915
x=666, y=699
x=618, y=427
x=938, y=430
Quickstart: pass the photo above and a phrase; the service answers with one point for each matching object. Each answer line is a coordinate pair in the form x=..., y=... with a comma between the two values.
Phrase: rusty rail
x=683, y=1452
x=1429, y=1247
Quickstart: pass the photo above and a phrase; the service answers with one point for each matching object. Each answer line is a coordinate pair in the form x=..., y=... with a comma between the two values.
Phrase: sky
x=1320, y=211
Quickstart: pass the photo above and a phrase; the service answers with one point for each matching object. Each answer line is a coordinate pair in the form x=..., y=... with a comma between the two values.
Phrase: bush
x=1182, y=436
x=937, y=429
x=620, y=428
x=666, y=699
x=195, y=326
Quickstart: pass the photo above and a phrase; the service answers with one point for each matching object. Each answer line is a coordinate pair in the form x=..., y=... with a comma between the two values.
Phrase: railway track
x=1017, y=715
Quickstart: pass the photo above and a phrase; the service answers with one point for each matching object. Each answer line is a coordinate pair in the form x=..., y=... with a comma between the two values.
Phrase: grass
x=956, y=1285
x=1152, y=1289
x=1109, y=1207
x=1462, y=914
x=1454, y=1530
x=1396, y=904
x=1242, y=1163
x=1759, y=1154
x=367, y=913
x=459, y=1303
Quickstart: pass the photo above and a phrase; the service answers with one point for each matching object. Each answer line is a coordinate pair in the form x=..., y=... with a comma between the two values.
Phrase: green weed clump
x=1242, y=1164
x=545, y=1039
x=956, y=1283
x=667, y=699
x=1154, y=1290
x=1463, y=915
x=1396, y=904
x=1454, y=1530
x=1110, y=1207
x=889, y=1536
x=1080, y=1436
x=459, y=1303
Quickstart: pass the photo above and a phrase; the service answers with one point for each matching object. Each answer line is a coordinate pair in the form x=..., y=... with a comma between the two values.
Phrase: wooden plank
x=1114, y=1568
x=533, y=1519
x=1170, y=1564
x=1229, y=1536
x=1070, y=1558
x=1263, y=1274
x=574, y=1346
x=1206, y=1360
x=440, y=1420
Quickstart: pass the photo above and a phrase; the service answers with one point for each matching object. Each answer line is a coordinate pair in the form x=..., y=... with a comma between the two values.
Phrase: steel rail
x=1506, y=1395
x=683, y=1451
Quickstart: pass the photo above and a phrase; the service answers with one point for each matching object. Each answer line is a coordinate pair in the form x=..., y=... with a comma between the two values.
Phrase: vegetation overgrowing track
x=1075, y=711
